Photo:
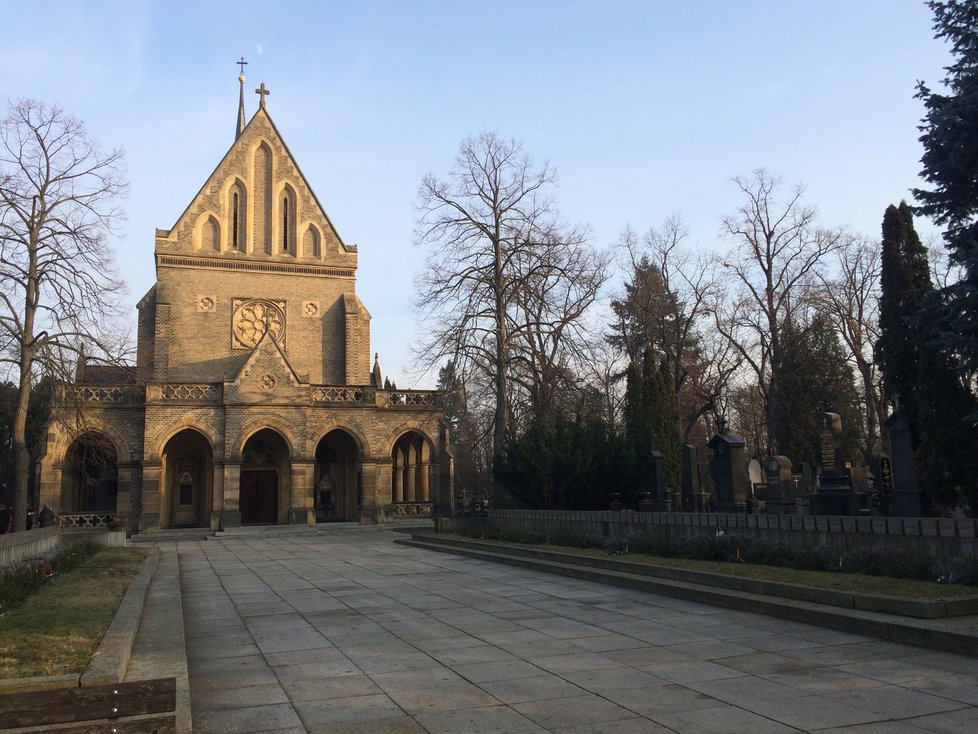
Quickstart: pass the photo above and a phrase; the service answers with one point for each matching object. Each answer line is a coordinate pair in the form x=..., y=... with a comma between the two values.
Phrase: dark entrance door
x=259, y=497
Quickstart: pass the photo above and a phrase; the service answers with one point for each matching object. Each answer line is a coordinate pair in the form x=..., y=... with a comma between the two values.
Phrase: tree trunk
x=502, y=413
x=22, y=457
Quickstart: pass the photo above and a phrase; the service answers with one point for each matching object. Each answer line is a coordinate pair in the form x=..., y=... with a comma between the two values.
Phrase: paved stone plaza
x=347, y=631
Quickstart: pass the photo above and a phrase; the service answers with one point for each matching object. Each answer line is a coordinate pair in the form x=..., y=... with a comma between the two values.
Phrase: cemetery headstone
x=779, y=484
x=656, y=483
x=835, y=495
x=728, y=470
x=905, y=497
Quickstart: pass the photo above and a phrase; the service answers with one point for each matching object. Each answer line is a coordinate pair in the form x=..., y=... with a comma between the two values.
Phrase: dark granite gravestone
x=905, y=498
x=780, y=496
x=691, y=476
x=729, y=472
x=835, y=495
x=656, y=483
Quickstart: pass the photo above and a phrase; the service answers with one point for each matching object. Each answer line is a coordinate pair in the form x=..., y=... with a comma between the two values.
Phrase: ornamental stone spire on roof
x=241, y=111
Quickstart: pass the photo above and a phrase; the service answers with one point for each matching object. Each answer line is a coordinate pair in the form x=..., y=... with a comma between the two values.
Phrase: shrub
x=615, y=546
x=21, y=581
x=534, y=538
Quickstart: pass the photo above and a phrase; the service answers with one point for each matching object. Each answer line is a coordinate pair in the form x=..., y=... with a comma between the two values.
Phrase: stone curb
x=925, y=633
x=109, y=663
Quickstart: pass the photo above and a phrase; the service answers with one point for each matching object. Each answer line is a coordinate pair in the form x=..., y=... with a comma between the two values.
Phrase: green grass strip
x=57, y=629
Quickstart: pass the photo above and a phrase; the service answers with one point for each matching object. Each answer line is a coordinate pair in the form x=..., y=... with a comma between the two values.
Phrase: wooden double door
x=258, y=497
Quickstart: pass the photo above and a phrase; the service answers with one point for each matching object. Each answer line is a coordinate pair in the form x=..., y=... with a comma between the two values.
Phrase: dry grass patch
x=57, y=629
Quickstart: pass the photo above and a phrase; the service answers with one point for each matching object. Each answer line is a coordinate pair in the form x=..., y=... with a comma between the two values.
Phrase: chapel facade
x=252, y=400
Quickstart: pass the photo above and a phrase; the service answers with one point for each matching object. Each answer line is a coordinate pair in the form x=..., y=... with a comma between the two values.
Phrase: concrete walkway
x=344, y=631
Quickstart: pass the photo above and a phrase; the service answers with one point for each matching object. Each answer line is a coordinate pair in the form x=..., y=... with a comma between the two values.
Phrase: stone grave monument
x=729, y=472
x=904, y=501
x=835, y=494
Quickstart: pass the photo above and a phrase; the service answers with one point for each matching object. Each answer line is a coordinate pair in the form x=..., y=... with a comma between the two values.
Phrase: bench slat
x=67, y=705
x=154, y=725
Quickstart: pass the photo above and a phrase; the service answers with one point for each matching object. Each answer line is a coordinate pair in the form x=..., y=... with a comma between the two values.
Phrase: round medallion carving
x=253, y=318
x=267, y=382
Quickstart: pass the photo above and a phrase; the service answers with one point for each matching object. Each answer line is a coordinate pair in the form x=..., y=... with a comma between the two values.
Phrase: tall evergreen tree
x=814, y=378
x=950, y=160
x=914, y=366
x=905, y=282
x=652, y=421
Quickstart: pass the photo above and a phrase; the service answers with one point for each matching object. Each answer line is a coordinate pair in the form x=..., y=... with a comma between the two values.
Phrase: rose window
x=252, y=319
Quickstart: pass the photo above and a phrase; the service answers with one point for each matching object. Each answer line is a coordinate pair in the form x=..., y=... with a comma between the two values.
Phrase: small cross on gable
x=263, y=93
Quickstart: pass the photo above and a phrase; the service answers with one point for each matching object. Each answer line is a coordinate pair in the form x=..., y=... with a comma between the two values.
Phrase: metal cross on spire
x=263, y=92
x=242, y=63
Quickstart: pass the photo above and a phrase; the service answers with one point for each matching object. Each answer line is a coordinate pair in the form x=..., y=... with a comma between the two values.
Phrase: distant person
x=45, y=517
x=6, y=518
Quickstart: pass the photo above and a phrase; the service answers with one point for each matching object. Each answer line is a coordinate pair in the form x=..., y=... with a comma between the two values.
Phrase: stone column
x=217, y=495
x=412, y=472
x=149, y=519
x=128, y=479
x=230, y=516
x=423, y=482
x=301, y=510
x=397, y=470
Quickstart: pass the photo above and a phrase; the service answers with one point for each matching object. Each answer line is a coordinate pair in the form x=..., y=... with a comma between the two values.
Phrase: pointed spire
x=375, y=378
x=239, y=128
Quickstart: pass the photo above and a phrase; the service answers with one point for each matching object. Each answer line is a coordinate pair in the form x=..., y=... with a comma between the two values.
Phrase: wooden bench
x=141, y=707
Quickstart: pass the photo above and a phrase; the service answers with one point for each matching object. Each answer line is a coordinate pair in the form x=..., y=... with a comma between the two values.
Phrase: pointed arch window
x=237, y=218
x=236, y=222
x=285, y=223
x=288, y=222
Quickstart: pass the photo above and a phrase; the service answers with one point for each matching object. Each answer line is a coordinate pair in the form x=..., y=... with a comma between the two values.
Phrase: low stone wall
x=15, y=547
x=941, y=538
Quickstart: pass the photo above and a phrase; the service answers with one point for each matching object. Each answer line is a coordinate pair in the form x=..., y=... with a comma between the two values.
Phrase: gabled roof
x=260, y=126
x=267, y=354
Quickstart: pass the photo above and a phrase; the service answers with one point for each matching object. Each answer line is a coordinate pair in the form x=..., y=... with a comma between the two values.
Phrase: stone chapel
x=252, y=400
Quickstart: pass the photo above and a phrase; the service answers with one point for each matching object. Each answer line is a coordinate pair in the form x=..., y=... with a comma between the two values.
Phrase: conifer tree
x=915, y=367
x=905, y=282
x=950, y=160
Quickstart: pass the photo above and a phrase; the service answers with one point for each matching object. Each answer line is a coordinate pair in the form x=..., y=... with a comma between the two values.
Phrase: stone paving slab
x=348, y=632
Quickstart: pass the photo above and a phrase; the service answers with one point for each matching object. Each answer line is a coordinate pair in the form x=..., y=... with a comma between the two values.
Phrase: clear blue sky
x=646, y=108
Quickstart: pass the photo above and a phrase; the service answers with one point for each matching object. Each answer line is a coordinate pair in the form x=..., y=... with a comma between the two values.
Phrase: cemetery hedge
x=736, y=549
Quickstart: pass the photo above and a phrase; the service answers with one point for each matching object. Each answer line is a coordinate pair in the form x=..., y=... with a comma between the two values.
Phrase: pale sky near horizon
x=647, y=109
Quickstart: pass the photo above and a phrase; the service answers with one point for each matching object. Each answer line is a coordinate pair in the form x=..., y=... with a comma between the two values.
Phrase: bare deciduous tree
x=60, y=295
x=666, y=305
x=850, y=297
x=778, y=253
x=506, y=280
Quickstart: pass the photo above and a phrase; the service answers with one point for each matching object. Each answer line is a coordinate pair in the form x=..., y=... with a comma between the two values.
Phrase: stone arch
x=411, y=460
x=237, y=216
x=207, y=237
x=312, y=242
x=292, y=441
x=338, y=476
x=89, y=473
x=186, y=479
x=262, y=206
x=265, y=481
x=61, y=446
x=154, y=450
x=363, y=443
